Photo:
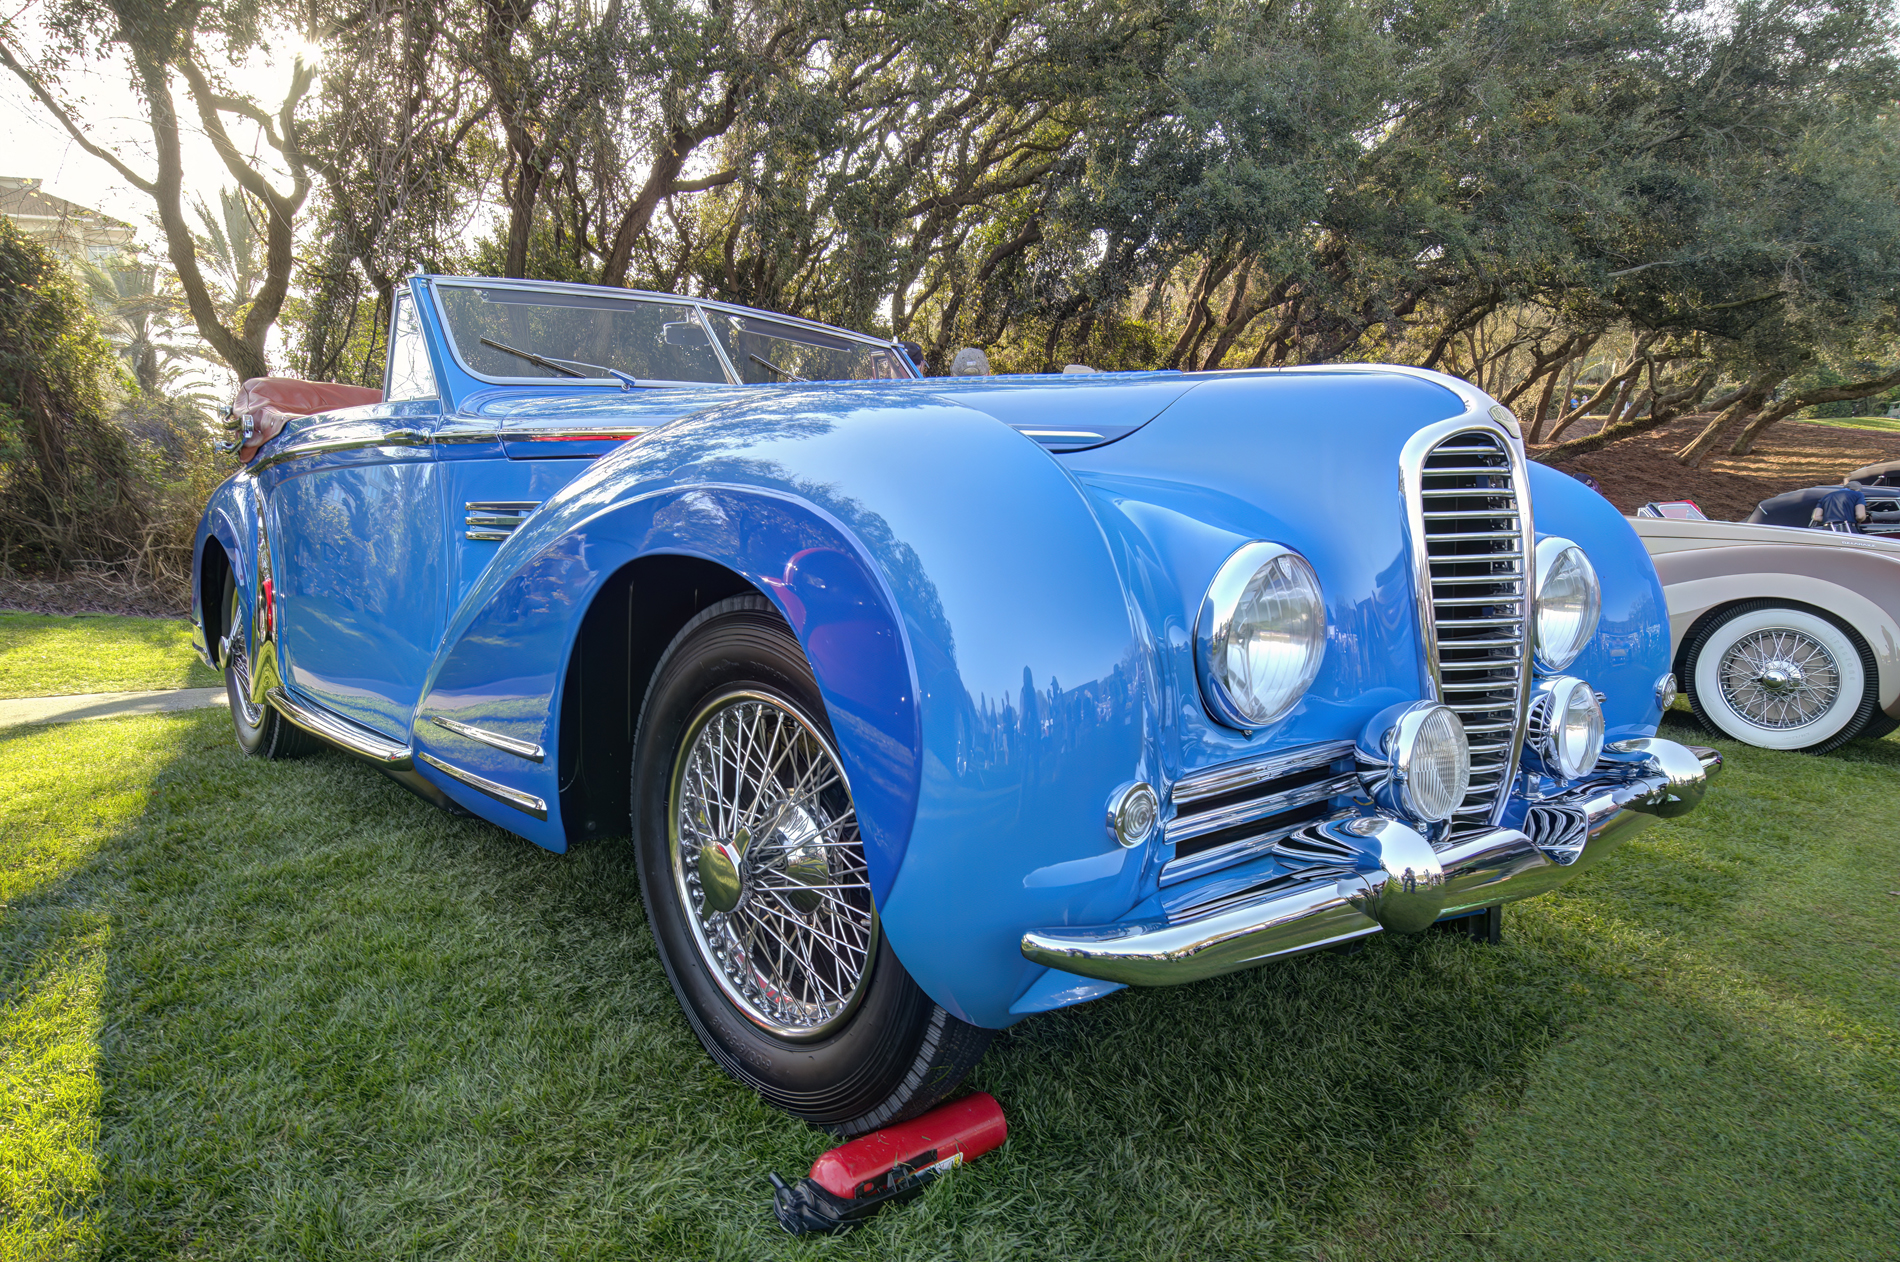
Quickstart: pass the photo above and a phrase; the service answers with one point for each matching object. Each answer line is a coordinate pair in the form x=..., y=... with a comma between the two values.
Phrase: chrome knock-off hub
x=1780, y=679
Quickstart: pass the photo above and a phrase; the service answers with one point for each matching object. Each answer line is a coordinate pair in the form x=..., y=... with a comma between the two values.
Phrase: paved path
x=106, y=705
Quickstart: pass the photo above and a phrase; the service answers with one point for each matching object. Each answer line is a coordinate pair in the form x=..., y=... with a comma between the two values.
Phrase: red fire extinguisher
x=855, y=1180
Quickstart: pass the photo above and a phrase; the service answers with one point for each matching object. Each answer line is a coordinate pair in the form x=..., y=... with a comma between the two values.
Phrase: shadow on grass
x=335, y=1022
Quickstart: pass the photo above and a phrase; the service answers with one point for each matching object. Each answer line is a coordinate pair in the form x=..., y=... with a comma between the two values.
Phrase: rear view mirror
x=683, y=333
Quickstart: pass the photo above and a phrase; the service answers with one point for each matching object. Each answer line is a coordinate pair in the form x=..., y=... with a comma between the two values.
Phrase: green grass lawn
x=1856, y=422
x=54, y=657
x=254, y=1010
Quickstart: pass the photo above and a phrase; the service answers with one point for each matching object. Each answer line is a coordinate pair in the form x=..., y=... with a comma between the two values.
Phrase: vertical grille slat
x=1471, y=552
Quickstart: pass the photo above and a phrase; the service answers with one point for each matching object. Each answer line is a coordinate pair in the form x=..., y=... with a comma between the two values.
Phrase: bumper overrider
x=1347, y=878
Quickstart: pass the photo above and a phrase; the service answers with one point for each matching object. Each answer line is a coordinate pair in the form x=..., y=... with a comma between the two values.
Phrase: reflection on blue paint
x=1002, y=633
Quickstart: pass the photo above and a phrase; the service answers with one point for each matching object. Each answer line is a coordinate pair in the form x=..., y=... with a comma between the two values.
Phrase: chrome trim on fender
x=569, y=433
x=338, y=730
x=496, y=519
x=507, y=744
x=1233, y=777
x=1181, y=829
x=527, y=803
x=388, y=438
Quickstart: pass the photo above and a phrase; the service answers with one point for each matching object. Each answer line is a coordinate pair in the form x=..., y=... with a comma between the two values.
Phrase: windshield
x=542, y=333
x=503, y=331
x=766, y=350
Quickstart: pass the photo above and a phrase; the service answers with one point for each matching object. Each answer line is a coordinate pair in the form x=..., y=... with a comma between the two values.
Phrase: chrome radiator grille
x=1475, y=561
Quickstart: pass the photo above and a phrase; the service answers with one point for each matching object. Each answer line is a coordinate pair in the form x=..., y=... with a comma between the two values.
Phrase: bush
x=94, y=475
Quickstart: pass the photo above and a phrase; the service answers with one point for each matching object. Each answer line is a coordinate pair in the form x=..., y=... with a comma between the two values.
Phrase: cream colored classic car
x=1782, y=637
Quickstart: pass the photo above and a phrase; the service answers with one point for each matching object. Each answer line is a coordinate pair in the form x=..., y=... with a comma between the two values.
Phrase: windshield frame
x=704, y=308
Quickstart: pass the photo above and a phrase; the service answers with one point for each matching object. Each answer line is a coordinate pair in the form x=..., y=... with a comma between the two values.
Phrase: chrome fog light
x=1564, y=737
x=1260, y=635
x=1132, y=814
x=1426, y=758
x=1569, y=602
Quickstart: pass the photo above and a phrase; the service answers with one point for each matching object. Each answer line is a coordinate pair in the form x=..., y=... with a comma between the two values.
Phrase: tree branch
x=58, y=111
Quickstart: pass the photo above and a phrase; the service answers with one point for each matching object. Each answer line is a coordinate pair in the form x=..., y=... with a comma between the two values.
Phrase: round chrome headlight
x=1431, y=762
x=1569, y=601
x=1566, y=727
x=1261, y=634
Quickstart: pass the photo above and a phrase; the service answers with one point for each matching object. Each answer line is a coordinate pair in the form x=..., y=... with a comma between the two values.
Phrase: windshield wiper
x=774, y=367
x=627, y=380
x=539, y=360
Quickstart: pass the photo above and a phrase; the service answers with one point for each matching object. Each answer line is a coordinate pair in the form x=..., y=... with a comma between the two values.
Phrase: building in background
x=66, y=228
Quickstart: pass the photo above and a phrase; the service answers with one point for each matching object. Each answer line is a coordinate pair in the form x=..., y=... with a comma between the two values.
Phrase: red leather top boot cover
x=273, y=400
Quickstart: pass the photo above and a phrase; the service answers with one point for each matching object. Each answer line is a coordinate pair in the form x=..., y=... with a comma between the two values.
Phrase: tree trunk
x=1745, y=441
x=1614, y=384
x=1543, y=401
x=1741, y=403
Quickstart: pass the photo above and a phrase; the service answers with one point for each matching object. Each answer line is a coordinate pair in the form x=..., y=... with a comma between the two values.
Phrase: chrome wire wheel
x=1780, y=679
x=769, y=865
x=237, y=655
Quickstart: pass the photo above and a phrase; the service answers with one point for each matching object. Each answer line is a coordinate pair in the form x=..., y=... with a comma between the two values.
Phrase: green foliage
x=69, y=479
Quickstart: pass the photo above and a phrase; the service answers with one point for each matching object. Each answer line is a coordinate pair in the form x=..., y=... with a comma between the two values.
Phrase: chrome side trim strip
x=388, y=438
x=338, y=730
x=507, y=744
x=1233, y=777
x=525, y=802
x=1181, y=828
x=564, y=434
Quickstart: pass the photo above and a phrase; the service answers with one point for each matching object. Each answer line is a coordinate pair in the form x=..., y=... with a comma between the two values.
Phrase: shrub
x=94, y=475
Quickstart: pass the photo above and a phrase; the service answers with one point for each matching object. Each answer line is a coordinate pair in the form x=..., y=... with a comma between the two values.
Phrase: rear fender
x=229, y=522
x=1860, y=587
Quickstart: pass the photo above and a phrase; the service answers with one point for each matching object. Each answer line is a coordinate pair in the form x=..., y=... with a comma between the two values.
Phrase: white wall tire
x=1780, y=676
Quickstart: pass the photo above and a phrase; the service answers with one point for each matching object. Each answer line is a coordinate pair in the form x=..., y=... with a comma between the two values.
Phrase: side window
x=410, y=376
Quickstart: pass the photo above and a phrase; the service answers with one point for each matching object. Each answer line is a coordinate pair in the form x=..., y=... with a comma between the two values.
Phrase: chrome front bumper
x=1348, y=878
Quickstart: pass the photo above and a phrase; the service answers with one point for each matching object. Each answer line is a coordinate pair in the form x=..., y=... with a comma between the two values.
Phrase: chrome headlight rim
x=1134, y=814
x=1550, y=553
x=1408, y=736
x=1215, y=626
x=1392, y=749
x=1545, y=745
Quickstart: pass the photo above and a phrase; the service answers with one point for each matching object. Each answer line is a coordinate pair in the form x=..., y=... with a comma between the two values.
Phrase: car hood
x=1308, y=459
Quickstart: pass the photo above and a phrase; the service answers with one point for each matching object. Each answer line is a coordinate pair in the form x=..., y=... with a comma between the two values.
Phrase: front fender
x=1630, y=651
x=974, y=646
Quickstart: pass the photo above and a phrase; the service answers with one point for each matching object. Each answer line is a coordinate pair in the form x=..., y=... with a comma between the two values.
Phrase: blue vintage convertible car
x=934, y=703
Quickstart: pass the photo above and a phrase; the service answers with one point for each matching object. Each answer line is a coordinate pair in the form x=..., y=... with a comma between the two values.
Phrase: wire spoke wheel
x=769, y=865
x=1780, y=679
x=238, y=654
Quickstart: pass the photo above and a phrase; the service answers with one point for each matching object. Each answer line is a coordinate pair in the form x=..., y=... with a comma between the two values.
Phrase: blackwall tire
x=1781, y=676
x=261, y=731
x=832, y=1029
